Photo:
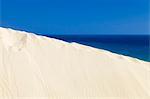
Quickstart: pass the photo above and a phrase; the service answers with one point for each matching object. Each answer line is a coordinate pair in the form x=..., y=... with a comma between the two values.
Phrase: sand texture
x=39, y=67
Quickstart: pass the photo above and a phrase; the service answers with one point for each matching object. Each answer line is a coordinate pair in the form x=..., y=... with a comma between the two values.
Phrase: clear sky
x=76, y=16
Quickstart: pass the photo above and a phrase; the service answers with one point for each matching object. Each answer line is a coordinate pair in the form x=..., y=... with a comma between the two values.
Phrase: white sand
x=34, y=66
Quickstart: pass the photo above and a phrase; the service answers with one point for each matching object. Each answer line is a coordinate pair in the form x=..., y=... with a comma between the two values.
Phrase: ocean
x=136, y=46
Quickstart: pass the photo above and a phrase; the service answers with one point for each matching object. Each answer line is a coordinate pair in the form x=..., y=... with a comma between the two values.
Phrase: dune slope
x=37, y=66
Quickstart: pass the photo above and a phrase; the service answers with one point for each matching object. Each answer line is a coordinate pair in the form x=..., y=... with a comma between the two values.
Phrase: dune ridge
x=43, y=67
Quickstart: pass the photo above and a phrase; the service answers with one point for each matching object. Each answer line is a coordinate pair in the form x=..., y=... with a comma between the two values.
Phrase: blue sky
x=76, y=16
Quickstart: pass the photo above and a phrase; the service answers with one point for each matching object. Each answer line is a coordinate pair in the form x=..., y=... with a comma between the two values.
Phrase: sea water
x=136, y=46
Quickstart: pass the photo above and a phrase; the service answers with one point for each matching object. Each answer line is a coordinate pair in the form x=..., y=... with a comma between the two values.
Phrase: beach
x=37, y=66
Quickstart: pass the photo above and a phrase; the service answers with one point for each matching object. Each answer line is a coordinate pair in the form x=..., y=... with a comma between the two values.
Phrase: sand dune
x=34, y=66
